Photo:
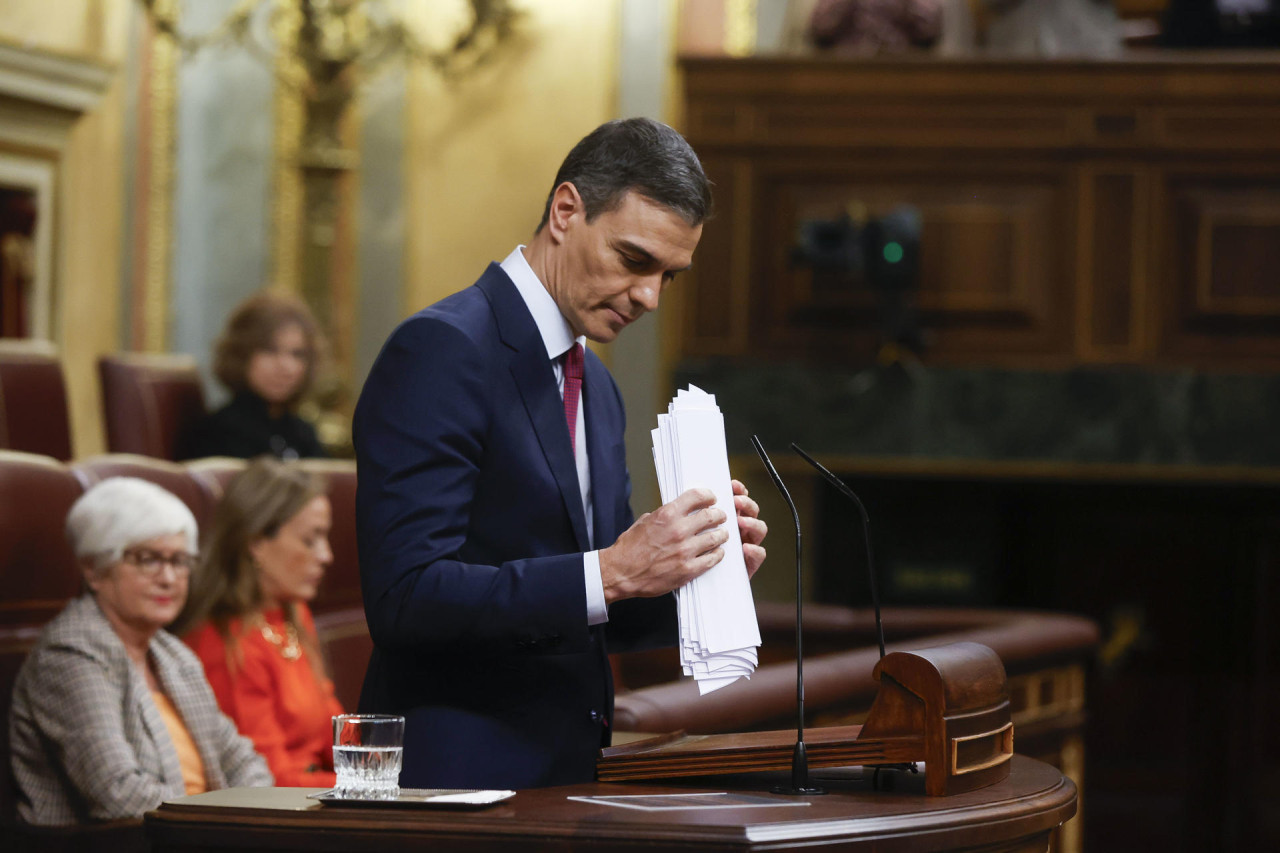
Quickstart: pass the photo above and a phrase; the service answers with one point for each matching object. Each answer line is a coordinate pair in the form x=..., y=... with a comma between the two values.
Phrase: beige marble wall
x=77, y=27
x=480, y=157
x=90, y=194
x=482, y=153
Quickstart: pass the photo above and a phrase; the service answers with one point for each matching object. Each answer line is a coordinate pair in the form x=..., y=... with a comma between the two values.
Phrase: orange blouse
x=282, y=705
x=189, y=760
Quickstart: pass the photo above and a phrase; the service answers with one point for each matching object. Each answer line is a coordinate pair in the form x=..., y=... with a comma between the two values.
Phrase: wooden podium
x=1018, y=814
x=946, y=706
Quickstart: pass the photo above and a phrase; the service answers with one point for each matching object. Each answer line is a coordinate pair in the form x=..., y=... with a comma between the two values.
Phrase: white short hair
x=120, y=512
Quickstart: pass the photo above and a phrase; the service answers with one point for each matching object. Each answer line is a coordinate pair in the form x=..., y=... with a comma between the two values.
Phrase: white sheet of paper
x=719, y=634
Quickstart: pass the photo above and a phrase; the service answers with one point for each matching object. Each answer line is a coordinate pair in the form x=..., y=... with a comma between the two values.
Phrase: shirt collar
x=557, y=334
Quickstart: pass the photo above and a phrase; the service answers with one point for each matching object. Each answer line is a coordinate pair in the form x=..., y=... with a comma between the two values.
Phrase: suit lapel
x=600, y=440
x=536, y=383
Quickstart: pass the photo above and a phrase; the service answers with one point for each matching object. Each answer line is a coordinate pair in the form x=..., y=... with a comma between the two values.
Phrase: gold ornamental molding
x=287, y=196
x=319, y=51
x=740, y=27
x=151, y=297
x=71, y=83
x=44, y=94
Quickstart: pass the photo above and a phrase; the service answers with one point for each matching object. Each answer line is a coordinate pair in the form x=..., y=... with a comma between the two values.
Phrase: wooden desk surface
x=1015, y=815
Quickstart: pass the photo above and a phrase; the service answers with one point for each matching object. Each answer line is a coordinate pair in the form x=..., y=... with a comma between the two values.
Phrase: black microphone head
x=777, y=482
x=866, y=532
x=840, y=485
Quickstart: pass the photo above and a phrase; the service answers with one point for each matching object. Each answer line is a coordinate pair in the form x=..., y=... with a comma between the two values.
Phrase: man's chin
x=605, y=334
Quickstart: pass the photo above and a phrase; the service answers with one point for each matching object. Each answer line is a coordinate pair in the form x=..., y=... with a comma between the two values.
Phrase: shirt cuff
x=597, y=610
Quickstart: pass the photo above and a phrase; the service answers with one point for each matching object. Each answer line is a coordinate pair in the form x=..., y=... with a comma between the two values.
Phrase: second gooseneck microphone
x=844, y=489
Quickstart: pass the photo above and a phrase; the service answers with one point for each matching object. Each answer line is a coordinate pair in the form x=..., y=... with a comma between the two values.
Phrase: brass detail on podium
x=1001, y=739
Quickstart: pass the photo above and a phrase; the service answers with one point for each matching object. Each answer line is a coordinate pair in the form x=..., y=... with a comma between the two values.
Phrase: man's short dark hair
x=637, y=155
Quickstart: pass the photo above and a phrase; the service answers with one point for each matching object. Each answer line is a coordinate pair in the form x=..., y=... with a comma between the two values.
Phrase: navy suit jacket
x=471, y=533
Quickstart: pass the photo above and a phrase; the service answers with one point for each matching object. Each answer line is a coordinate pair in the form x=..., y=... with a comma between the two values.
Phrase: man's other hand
x=750, y=528
x=666, y=548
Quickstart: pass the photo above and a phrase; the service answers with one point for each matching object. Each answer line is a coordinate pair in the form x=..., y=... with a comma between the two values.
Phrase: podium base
x=798, y=792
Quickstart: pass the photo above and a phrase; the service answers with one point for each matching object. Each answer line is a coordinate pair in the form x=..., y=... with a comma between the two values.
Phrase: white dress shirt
x=558, y=338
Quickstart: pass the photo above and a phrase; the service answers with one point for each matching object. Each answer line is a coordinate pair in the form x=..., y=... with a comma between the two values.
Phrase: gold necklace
x=289, y=646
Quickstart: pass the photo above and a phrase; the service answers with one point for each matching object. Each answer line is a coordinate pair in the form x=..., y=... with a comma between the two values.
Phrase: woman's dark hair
x=252, y=327
x=640, y=155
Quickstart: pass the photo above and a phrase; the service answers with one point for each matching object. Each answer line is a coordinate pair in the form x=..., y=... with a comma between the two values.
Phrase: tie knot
x=573, y=362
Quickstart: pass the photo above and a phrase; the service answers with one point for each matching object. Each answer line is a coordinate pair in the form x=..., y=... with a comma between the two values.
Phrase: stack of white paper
x=719, y=635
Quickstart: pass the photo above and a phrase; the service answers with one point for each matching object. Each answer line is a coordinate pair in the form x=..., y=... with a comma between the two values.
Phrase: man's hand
x=666, y=548
x=750, y=528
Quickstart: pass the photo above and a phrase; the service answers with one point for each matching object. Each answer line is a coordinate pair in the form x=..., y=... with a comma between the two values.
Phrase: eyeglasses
x=149, y=562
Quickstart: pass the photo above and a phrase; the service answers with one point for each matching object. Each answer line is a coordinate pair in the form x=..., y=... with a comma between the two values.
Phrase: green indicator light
x=893, y=252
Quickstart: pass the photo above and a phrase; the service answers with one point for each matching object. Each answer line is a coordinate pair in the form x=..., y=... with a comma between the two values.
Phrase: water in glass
x=368, y=772
x=367, y=752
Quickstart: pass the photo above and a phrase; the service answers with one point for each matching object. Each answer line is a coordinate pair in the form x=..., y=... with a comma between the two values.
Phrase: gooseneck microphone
x=844, y=489
x=799, y=758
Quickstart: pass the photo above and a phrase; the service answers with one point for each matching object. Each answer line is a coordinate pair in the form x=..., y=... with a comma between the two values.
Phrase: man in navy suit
x=499, y=558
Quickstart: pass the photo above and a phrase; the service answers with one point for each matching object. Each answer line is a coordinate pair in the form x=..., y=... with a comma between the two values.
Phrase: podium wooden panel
x=946, y=706
x=1018, y=814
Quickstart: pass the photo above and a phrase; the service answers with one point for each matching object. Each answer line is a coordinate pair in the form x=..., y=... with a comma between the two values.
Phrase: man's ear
x=565, y=205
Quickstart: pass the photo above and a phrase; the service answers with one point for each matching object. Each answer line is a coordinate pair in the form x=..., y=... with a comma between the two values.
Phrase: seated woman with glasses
x=248, y=619
x=111, y=714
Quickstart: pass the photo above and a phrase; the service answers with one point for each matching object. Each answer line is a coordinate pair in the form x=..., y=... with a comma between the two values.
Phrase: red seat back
x=150, y=402
x=341, y=586
x=195, y=492
x=33, y=399
x=38, y=572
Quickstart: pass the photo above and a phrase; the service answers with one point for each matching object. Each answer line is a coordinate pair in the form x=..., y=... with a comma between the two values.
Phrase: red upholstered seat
x=33, y=399
x=214, y=472
x=38, y=575
x=341, y=587
x=195, y=492
x=38, y=572
x=346, y=645
x=339, y=608
x=150, y=402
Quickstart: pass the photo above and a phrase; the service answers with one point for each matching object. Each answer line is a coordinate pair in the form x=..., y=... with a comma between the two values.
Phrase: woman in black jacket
x=266, y=357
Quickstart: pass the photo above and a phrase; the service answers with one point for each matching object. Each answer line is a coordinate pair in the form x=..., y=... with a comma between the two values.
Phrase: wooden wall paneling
x=1220, y=255
x=993, y=278
x=713, y=294
x=1238, y=255
x=1160, y=168
x=1205, y=126
x=742, y=239
x=896, y=121
x=1113, y=261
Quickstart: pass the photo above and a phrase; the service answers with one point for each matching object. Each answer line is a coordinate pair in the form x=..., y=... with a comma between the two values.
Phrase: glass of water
x=367, y=750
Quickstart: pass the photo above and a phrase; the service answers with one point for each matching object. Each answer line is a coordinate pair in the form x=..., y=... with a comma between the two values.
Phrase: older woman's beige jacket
x=88, y=742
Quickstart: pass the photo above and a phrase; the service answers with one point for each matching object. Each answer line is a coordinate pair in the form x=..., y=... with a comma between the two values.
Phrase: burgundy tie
x=572, y=390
